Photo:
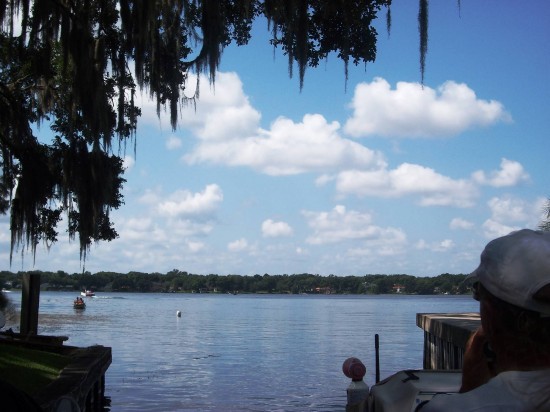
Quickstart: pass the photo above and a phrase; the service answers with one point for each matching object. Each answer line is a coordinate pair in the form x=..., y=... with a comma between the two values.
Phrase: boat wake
x=108, y=297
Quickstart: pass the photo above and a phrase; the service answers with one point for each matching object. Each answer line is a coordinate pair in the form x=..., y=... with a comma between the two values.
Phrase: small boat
x=79, y=304
x=87, y=293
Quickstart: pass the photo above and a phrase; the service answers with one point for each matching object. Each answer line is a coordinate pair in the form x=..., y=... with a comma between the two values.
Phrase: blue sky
x=376, y=175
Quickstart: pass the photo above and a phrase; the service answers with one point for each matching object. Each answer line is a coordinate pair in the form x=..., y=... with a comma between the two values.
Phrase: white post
x=358, y=390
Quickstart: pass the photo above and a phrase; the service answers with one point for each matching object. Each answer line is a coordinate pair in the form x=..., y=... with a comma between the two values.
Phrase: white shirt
x=508, y=391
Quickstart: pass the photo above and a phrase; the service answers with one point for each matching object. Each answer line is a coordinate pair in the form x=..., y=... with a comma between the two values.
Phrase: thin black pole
x=377, y=359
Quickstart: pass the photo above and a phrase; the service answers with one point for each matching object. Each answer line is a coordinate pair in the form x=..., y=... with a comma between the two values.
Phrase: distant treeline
x=179, y=281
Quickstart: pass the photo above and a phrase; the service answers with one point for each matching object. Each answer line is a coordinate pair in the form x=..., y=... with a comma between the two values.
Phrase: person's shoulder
x=492, y=396
x=530, y=387
x=537, y=374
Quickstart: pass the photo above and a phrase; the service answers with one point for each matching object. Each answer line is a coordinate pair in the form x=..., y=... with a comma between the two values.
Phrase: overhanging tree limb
x=71, y=60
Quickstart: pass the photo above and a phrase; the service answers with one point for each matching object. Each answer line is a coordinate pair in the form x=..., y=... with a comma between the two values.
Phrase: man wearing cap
x=507, y=361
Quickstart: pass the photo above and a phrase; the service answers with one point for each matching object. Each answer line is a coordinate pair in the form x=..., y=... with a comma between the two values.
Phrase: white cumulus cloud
x=440, y=246
x=408, y=179
x=508, y=209
x=238, y=245
x=195, y=246
x=459, y=223
x=228, y=132
x=222, y=112
x=412, y=110
x=508, y=214
x=185, y=203
x=287, y=148
x=510, y=174
x=184, y=228
x=339, y=225
x=173, y=143
x=135, y=229
x=270, y=228
x=128, y=162
x=493, y=229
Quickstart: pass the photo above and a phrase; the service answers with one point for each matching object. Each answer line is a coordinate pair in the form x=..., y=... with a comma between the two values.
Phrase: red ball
x=354, y=369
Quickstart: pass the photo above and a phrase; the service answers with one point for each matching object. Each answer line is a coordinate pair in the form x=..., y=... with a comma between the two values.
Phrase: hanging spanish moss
x=78, y=64
x=308, y=31
x=388, y=21
x=423, y=30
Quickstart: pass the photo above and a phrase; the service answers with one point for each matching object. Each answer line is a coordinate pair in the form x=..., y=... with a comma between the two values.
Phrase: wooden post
x=445, y=338
x=30, y=298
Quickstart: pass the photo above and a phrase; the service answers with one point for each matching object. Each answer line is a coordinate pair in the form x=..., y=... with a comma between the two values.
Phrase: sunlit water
x=243, y=352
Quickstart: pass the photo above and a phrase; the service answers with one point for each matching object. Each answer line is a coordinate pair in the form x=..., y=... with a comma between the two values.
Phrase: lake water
x=243, y=352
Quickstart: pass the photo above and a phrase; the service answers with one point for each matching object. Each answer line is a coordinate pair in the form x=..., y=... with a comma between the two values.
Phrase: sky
x=378, y=174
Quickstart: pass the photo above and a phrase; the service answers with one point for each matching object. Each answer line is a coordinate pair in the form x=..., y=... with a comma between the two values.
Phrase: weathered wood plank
x=445, y=337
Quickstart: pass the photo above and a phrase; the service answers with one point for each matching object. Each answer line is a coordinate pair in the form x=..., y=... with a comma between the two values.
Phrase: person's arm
x=478, y=365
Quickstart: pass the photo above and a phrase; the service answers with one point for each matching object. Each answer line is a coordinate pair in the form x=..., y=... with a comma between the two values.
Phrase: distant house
x=398, y=288
x=325, y=290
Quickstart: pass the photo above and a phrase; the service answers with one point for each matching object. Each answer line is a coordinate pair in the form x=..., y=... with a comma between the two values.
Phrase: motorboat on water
x=87, y=293
x=79, y=303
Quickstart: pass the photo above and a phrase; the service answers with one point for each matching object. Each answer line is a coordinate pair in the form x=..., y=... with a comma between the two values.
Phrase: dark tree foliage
x=77, y=65
x=423, y=29
x=176, y=281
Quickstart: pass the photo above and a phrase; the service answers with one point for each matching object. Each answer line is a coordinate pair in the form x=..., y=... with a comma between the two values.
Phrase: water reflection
x=244, y=352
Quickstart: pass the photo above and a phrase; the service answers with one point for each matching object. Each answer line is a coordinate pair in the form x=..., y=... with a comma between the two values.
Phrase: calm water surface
x=243, y=352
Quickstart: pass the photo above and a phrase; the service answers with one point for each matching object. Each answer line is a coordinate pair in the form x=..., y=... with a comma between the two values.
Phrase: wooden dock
x=445, y=337
x=81, y=382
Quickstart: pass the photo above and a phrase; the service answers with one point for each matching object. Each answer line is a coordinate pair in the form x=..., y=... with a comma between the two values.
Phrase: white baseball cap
x=515, y=267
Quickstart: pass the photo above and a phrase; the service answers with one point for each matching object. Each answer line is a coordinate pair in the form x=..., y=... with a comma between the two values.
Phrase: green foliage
x=177, y=281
